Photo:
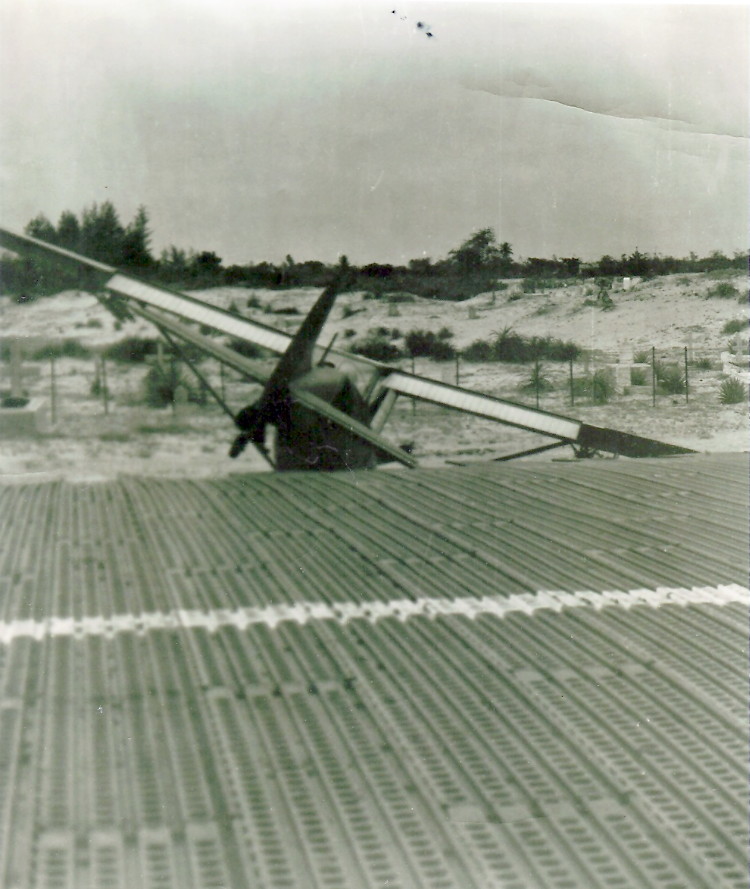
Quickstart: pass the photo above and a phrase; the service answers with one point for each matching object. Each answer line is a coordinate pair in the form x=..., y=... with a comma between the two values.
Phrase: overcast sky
x=258, y=129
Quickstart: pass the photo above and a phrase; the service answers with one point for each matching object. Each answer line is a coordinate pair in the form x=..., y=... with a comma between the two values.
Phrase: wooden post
x=221, y=381
x=16, y=373
x=653, y=376
x=52, y=391
x=536, y=381
x=413, y=401
x=572, y=394
x=458, y=369
x=686, y=375
x=105, y=391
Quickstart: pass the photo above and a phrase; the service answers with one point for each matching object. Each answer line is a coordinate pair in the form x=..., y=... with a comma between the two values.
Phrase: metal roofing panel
x=516, y=676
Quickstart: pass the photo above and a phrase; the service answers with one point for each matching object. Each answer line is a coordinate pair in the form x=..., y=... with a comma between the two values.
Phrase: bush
x=538, y=381
x=703, y=363
x=65, y=349
x=424, y=343
x=132, y=349
x=732, y=391
x=602, y=386
x=253, y=302
x=638, y=376
x=642, y=357
x=671, y=378
x=246, y=348
x=377, y=348
x=724, y=290
x=479, y=350
x=736, y=326
x=582, y=386
x=512, y=347
x=161, y=383
x=93, y=322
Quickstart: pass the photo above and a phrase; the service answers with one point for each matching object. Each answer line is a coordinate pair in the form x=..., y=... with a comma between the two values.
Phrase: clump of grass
x=376, y=347
x=724, y=290
x=602, y=386
x=113, y=436
x=641, y=357
x=703, y=363
x=162, y=382
x=732, y=391
x=735, y=326
x=638, y=376
x=538, y=381
x=671, y=378
x=69, y=348
x=131, y=350
x=479, y=351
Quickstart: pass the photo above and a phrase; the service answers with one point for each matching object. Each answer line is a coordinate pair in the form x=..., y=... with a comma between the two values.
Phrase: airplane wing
x=146, y=299
x=575, y=432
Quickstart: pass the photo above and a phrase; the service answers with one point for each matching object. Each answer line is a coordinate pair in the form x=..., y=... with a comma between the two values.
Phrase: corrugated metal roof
x=512, y=676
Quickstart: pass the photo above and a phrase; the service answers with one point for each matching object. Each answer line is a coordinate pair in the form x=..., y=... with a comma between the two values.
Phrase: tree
x=135, y=242
x=505, y=257
x=478, y=253
x=40, y=227
x=68, y=231
x=102, y=235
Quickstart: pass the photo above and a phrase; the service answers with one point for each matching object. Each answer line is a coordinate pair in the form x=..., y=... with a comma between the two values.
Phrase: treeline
x=478, y=265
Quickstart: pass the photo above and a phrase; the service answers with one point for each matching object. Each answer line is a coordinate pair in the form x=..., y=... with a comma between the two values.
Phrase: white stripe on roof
x=343, y=612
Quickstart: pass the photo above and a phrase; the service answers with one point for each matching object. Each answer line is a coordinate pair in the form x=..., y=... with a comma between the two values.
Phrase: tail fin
x=299, y=353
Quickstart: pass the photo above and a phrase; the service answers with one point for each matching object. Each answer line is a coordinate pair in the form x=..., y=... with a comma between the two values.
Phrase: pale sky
x=258, y=129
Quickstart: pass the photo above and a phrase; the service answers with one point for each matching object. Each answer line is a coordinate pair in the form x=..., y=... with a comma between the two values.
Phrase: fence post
x=458, y=368
x=536, y=381
x=686, y=375
x=413, y=401
x=221, y=380
x=52, y=391
x=653, y=376
x=572, y=395
x=105, y=390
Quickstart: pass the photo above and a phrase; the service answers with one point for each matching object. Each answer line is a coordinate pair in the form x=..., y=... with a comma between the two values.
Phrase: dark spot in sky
x=421, y=26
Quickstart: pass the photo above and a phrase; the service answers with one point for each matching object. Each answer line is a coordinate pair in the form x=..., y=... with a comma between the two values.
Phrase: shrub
x=253, y=302
x=736, y=326
x=479, y=350
x=638, y=376
x=348, y=311
x=671, y=378
x=93, y=322
x=161, y=383
x=349, y=333
x=538, y=381
x=602, y=386
x=377, y=348
x=65, y=349
x=246, y=348
x=724, y=290
x=132, y=349
x=401, y=297
x=642, y=357
x=427, y=344
x=732, y=391
x=445, y=333
x=582, y=386
x=703, y=363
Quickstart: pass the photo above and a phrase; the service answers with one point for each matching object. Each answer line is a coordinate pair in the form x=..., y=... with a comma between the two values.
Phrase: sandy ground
x=667, y=313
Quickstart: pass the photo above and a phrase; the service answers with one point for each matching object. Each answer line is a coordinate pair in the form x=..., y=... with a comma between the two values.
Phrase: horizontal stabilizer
x=625, y=443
